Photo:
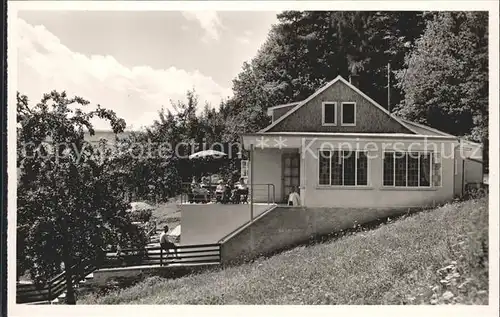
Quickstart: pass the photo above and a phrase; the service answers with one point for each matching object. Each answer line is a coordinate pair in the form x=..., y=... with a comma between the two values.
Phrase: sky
x=136, y=62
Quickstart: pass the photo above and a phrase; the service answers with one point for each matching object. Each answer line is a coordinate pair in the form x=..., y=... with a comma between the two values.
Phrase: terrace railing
x=183, y=255
x=261, y=193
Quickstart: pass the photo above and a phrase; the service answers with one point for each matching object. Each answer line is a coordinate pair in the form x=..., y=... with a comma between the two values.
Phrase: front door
x=291, y=174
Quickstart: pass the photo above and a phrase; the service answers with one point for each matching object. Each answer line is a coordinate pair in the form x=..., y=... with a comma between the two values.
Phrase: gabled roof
x=271, y=109
x=427, y=130
x=329, y=84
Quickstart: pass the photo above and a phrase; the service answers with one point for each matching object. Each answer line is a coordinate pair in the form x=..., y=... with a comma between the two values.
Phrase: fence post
x=161, y=256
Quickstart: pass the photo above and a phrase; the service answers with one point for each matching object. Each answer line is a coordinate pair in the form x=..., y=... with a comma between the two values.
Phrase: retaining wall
x=283, y=227
x=208, y=223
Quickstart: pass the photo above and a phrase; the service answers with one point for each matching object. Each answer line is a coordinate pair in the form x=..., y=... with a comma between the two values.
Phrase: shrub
x=475, y=191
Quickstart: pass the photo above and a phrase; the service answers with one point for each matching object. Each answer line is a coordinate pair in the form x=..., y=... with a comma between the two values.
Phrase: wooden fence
x=30, y=293
x=186, y=255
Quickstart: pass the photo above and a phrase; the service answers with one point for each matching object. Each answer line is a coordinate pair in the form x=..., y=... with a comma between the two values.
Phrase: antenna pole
x=389, y=87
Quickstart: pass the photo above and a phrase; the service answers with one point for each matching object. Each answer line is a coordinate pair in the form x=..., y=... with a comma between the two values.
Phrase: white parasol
x=207, y=153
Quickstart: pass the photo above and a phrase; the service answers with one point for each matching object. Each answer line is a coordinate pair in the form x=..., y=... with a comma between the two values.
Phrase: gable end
x=370, y=117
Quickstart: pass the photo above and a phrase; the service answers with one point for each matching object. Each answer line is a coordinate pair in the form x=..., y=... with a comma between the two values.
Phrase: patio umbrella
x=207, y=153
x=138, y=206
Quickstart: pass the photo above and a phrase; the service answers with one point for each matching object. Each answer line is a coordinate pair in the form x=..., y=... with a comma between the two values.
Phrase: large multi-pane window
x=411, y=169
x=343, y=168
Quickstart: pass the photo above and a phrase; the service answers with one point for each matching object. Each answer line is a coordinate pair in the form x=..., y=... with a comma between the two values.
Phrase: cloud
x=135, y=94
x=243, y=40
x=246, y=38
x=208, y=20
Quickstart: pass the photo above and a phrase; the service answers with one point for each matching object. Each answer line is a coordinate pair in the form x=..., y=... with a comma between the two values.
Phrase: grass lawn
x=433, y=257
x=167, y=214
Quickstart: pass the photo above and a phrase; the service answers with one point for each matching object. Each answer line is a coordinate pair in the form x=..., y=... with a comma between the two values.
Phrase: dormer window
x=329, y=113
x=348, y=113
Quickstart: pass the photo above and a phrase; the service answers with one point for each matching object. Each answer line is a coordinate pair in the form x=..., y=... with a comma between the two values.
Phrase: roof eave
x=367, y=135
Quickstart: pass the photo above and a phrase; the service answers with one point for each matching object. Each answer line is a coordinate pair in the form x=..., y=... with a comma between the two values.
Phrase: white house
x=342, y=149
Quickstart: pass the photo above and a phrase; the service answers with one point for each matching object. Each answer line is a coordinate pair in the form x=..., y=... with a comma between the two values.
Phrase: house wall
x=369, y=118
x=267, y=170
x=473, y=171
x=375, y=195
x=208, y=223
x=458, y=184
x=469, y=166
x=283, y=227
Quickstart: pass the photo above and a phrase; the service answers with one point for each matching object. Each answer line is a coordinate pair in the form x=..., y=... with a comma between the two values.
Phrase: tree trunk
x=70, y=292
x=68, y=268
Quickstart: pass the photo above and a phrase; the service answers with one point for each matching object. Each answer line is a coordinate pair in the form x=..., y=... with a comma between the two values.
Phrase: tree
x=446, y=81
x=306, y=49
x=69, y=204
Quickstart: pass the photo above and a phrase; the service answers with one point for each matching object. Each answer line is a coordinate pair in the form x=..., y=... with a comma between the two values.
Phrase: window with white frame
x=348, y=113
x=329, y=113
x=343, y=168
x=411, y=169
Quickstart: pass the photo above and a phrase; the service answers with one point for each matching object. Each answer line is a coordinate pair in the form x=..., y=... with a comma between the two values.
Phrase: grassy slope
x=166, y=214
x=394, y=264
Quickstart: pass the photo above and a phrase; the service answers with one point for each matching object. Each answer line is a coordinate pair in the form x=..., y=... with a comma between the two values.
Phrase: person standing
x=294, y=198
x=166, y=244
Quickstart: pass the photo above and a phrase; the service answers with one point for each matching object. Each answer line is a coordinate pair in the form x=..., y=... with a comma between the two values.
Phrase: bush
x=475, y=191
x=141, y=215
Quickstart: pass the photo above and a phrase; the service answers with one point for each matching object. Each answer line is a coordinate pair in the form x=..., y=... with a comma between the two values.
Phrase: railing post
x=268, y=194
x=274, y=194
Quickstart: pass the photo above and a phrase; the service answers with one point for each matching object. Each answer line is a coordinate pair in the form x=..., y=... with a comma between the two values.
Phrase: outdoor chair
x=244, y=196
x=226, y=195
x=235, y=197
x=219, y=197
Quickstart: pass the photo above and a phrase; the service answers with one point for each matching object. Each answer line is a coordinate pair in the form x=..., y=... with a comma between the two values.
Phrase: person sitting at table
x=205, y=181
x=199, y=191
x=242, y=190
x=220, y=187
x=219, y=191
x=227, y=192
x=241, y=186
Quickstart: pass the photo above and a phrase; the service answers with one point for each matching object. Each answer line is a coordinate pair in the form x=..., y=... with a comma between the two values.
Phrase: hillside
x=437, y=256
